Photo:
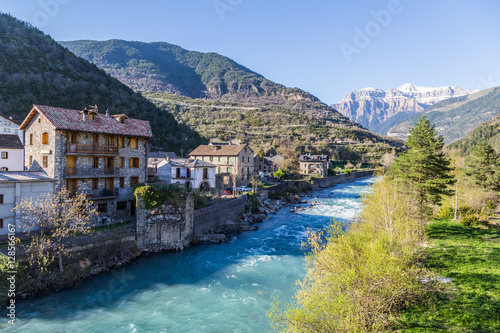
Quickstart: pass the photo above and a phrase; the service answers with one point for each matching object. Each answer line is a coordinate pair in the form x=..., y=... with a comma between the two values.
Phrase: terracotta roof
x=23, y=176
x=214, y=150
x=10, y=141
x=71, y=120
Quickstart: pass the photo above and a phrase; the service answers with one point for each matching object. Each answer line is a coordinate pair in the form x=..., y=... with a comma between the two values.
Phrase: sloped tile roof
x=313, y=158
x=190, y=163
x=23, y=176
x=71, y=120
x=10, y=141
x=215, y=150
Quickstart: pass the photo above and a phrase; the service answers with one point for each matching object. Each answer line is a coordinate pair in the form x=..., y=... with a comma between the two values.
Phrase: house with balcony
x=317, y=165
x=154, y=159
x=11, y=153
x=232, y=161
x=101, y=155
x=187, y=173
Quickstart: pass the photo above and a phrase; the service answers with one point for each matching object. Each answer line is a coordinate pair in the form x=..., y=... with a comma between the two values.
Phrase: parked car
x=244, y=188
x=226, y=191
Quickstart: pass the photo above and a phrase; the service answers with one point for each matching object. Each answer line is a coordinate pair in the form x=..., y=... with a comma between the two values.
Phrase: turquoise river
x=209, y=288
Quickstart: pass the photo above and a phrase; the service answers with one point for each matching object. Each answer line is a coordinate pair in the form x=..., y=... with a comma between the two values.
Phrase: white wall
x=198, y=177
x=14, y=161
x=8, y=127
x=13, y=193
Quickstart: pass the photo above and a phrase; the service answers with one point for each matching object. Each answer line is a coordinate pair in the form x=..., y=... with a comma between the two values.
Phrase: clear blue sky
x=327, y=47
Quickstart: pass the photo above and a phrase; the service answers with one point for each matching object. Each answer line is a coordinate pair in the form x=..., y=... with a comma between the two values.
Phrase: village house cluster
x=104, y=156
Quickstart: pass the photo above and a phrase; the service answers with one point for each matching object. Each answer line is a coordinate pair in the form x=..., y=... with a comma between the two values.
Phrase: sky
x=327, y=47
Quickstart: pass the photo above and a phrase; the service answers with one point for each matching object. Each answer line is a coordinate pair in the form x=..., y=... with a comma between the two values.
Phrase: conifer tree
x=424, y=168
x=483, y=165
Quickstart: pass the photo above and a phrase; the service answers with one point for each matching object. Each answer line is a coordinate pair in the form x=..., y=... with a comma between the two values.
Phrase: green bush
x=466, y=210
x=347, y=171
x=470, y=220
x=445, y=213
x=200, y=201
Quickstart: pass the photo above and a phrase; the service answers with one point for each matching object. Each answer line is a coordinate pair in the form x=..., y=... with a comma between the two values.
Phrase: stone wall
x=169, y=228
x=216, y=218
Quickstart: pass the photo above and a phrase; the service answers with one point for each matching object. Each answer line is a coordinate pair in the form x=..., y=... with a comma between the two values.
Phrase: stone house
x=18, y=185
x=267, y=166
x=155, y=158
x=187, y=173
x=11, y=153
x=314, y=165
x=9, y=126
x=230, y=160
x=277, y=160
x=102, y=155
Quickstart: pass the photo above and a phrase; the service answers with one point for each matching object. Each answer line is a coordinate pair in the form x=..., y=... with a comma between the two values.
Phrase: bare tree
x=58, y=217
x=256, y=182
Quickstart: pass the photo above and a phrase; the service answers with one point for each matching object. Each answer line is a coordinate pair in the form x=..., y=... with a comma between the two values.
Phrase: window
x=102, y=208
x=134, y=162
x=95, y=139
x=203, y=158
x=5, y=155
x=31, y=161
x=121, y=142
x=219, y=170
x=122, y=182
x=229, y=160
x=31, y=139
x=45, y=138
x=248, y=158
x=228, y=169
x=219, y=158
x=91, y=116
x=95, y=183
x=95, y=162
x=120, y=162
x=4, y=169
x=1, y=198
x=177, y=172
x=205, y=173
x=211, y=158
x=45, y=161
x=133, y=143
x=134, y=181
x=121, y=205
x=1, y=223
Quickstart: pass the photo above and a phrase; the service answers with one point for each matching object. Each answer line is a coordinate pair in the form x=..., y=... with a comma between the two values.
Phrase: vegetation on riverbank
x=371, y=279
x=471, y=302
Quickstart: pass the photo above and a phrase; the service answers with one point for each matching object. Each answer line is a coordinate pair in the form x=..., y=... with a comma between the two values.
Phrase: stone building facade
x=314, y=165
x=231, y=161
x=101, y=155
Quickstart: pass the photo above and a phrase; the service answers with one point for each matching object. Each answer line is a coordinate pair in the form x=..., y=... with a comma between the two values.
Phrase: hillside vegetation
x=489, y=131
x=34, y=69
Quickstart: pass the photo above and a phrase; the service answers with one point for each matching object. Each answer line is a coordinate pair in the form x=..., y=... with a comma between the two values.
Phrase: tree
x=58, y=216
x=424, y=168
x=483, y=164
x=256, y=182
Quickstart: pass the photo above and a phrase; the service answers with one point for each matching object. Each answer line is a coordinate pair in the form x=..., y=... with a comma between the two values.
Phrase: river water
x=211, y=288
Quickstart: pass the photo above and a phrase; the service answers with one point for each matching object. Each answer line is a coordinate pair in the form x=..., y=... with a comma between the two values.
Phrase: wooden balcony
x=74, y=148
x=109, y=170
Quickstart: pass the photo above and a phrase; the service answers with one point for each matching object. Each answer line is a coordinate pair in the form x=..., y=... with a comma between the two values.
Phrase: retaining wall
x=214, y=218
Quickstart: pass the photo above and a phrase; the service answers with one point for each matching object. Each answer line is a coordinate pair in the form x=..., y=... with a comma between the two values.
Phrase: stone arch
x=205, y=187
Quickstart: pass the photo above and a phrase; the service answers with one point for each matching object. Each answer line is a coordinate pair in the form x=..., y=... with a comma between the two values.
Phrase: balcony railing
x=109, y=170
x=90, y=149
x=101, y=193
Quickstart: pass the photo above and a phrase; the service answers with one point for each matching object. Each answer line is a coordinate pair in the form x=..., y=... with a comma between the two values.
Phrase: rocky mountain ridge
x=378, y=110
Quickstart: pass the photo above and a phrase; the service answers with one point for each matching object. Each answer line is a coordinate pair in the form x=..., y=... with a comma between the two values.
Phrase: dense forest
x=488, y=131
x=34, y=69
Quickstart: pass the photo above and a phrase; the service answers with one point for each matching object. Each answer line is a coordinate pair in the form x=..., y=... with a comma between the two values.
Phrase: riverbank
x=470, y=256
x=208, y=288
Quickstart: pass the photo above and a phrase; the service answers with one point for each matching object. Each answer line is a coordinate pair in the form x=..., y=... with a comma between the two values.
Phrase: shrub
x=305, y=187
x=445, y=213
x=347, y=171
x=470, y=220
x=200, y=201
x=466, y=210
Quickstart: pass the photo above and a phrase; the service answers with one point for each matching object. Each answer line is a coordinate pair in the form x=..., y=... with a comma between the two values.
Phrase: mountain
x=34, y=69
x=160, y=67
x=379, y=110
x=456, y=117
x=489, y=131
x=226, y=101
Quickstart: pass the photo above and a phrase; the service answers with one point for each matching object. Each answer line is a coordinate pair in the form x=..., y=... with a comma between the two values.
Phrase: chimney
x=167, y=158
x=107, y=113
x=85, y=113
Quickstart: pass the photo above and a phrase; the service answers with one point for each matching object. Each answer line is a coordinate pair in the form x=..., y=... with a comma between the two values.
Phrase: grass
x=471, y=303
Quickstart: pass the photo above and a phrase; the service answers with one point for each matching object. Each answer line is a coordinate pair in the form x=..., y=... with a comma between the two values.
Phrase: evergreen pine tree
x=483, y=164
x=424, y=168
